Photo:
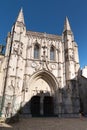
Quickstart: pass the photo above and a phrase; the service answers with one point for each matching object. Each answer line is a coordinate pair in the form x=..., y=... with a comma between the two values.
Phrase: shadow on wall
x=43, y=104
x=83, y=95
x=40, y=105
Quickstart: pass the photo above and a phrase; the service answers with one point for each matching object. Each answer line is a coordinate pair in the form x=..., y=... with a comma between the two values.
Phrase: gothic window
x=52, y=53
x=36, y=51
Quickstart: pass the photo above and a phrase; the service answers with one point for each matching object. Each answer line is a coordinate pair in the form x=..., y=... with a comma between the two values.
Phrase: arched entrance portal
x=42, y=89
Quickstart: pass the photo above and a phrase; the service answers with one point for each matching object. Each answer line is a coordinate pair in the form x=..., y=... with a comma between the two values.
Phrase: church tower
x=69, y=51
x=15, y=63
x=71, y=69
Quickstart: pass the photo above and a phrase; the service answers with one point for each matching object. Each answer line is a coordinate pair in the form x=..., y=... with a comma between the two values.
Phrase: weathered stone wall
x=83, y=91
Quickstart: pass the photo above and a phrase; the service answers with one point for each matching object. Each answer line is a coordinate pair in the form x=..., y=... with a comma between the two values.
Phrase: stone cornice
x=44, y=35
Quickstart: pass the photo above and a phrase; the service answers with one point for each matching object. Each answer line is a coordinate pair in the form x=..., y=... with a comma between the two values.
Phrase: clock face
x=34, y=64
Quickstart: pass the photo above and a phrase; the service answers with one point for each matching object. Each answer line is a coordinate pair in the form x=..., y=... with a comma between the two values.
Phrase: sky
x=48, y=16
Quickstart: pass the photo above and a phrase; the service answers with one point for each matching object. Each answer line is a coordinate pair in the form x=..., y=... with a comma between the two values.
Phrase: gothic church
x=39, y=73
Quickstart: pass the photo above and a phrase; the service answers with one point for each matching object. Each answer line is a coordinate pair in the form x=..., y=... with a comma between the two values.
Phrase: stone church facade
x=39, y=73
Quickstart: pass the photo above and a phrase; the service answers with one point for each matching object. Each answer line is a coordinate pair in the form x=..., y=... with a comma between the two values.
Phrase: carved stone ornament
x=33, y=64
x=53, y=66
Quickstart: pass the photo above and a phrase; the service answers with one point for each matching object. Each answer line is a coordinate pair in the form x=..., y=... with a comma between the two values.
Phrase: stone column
x=41, y=105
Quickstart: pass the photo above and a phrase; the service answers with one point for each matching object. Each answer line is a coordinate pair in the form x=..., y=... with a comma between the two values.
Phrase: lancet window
x=36, y=51
x=52, y=53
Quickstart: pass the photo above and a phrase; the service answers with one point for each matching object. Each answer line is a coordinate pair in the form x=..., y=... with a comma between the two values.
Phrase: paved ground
x=48, y=124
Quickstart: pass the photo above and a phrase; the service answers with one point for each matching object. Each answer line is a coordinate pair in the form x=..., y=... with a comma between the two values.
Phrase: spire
x=67, y=25
x=20, y=17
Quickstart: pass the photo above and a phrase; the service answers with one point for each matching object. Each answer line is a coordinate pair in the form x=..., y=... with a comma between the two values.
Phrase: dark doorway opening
x=35, y=106
x=48, y=106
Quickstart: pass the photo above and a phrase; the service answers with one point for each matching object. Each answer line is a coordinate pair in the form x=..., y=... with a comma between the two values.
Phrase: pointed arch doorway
x=42, y=94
